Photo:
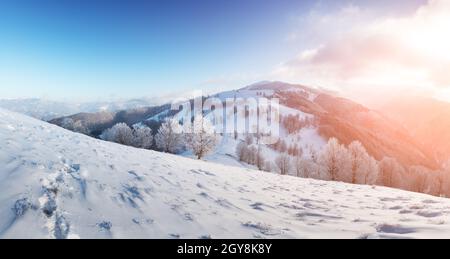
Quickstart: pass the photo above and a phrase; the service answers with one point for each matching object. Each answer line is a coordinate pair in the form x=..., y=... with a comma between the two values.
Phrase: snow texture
x=59, y=184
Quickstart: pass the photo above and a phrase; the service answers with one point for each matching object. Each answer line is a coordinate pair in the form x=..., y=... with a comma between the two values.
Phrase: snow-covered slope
x=59, y=184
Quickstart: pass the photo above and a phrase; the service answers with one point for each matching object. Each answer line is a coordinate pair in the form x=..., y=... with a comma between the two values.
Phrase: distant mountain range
x=46, y=110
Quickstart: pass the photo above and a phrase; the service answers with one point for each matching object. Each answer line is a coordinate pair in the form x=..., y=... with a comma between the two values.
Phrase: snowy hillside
x=59, y=184
x=322, y=115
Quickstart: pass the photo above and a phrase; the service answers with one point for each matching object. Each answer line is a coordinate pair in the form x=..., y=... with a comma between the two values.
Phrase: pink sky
x=363, y=56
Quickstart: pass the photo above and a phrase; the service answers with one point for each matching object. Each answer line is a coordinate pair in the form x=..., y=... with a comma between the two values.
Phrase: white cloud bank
x=383, y=54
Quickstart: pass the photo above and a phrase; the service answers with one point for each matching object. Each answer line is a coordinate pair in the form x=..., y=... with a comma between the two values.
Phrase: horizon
x=92, y=51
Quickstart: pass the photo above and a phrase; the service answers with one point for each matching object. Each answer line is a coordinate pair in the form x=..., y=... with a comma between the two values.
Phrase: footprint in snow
x=136, y=176
x=394, y=229
x=429, y=214
x=263, y=228
x=174, y=236
x=105, y=225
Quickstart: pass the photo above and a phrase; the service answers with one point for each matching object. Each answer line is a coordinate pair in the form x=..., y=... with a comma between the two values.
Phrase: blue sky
x=86, y=50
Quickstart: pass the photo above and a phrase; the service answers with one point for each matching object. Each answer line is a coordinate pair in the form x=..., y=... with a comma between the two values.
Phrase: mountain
x=427, y=119
x=58, y=184
x=47, y=110
x=327, y=115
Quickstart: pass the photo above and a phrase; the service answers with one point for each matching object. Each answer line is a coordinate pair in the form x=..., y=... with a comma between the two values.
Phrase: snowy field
x=58, y=184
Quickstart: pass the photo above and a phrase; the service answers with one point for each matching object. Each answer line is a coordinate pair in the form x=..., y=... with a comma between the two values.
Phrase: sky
x=92, y=50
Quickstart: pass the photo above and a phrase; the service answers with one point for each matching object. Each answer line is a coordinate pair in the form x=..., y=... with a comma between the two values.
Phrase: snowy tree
x=444, y=180
x=283, y=162
x=364, y=168
x=419, y=176
x=142, y=137
x=168, y=139
x=371, y=175
x=200, y=137
x=336, y=161
x=304, y=167
x=119, y=133
x=389, y=172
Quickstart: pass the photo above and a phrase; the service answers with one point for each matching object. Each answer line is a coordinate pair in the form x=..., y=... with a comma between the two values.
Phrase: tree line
x=351, y=164
x=172, y=137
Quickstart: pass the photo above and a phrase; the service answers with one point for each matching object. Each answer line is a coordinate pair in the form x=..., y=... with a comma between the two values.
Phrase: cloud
x=359, y=50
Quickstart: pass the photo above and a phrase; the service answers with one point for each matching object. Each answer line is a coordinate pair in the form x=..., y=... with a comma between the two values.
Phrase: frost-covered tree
x=142, y=137
x=200, y=136
x=389, y=172
x=335, y=161
x=419, y=179
x=283, y=162
x=444, y=180
x=119, y=133
x=169, y=138
x=371, y=175
x=364, y=168
x=304, y=167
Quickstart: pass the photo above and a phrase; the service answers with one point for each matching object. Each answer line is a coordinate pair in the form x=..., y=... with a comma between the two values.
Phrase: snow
x=59, y=184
